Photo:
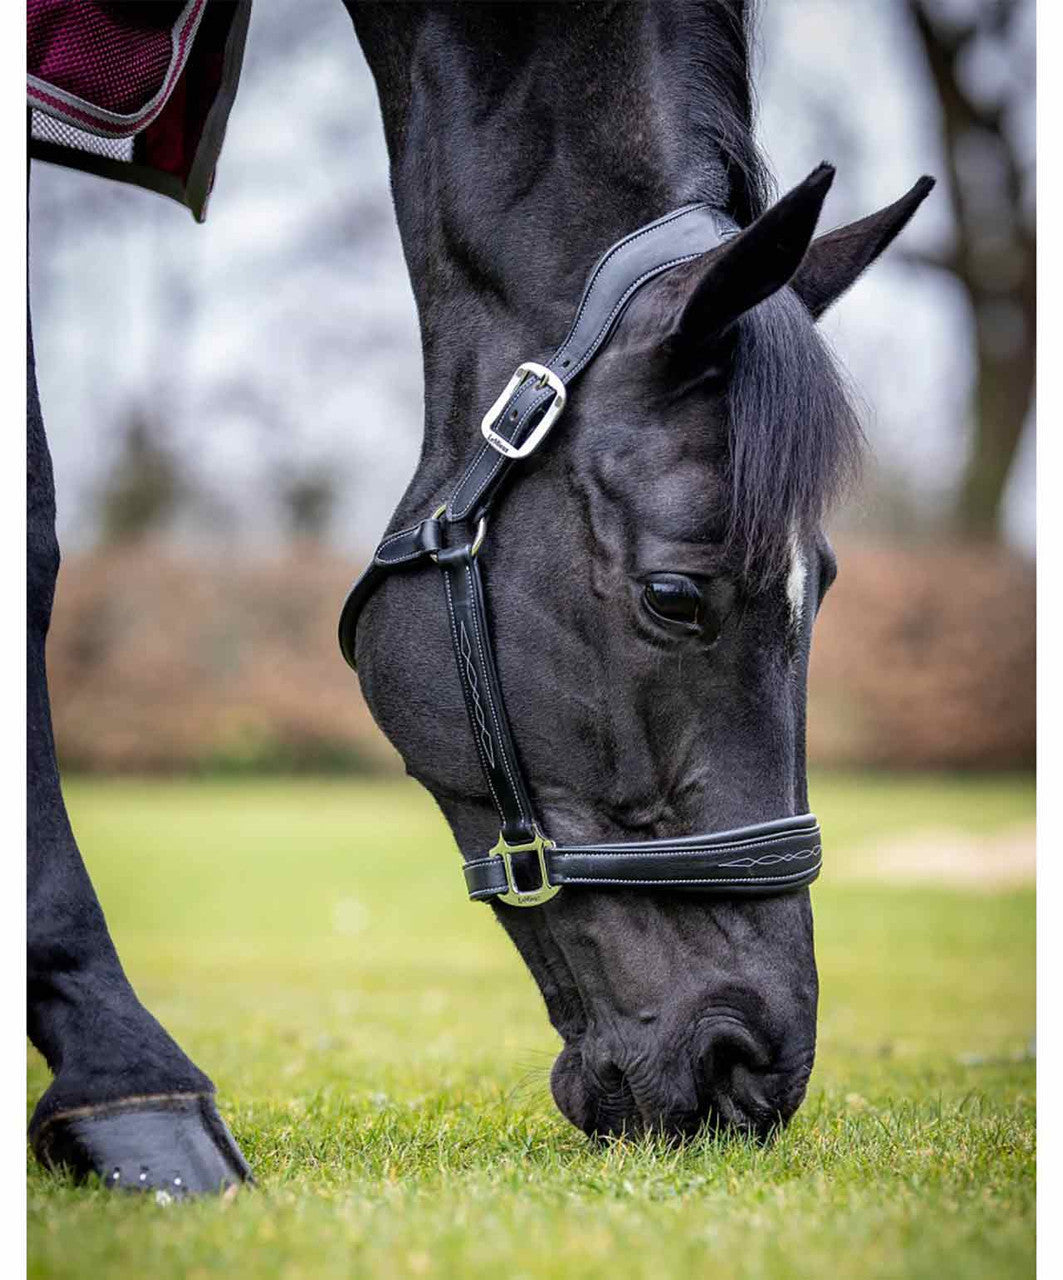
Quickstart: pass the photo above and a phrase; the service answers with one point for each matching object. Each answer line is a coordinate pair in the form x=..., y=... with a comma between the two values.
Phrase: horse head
x=653, y=578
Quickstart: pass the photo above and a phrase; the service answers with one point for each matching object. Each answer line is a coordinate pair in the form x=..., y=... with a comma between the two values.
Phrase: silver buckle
x=547, y=378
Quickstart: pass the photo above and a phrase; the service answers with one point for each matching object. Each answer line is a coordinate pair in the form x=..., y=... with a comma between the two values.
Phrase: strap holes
x=565, y=364
x=513, y=415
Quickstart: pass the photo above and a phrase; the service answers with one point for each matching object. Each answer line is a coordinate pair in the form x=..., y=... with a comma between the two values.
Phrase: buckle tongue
x=546, y=378
x=515, y=897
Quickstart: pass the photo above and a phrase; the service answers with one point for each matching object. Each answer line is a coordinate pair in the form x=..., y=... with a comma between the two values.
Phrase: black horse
x=654, y=576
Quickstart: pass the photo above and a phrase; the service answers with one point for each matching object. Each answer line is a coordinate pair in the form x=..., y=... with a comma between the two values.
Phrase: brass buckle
x=547, y=378
x=515, y=897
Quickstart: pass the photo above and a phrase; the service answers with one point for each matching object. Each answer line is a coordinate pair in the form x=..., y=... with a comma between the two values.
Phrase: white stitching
x=390, y=562
x=400, y=534
x=588, y=354
x=721, y=881
x=622, y=301
x=622, y=244
x=796, y=875
x=581, y=851
x=474, y=689
x=773, y=859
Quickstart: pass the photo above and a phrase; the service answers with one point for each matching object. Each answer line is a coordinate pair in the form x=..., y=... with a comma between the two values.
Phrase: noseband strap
x=764, y=859
x=525, y=868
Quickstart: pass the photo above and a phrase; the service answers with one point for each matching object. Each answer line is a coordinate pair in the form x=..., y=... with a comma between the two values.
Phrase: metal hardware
x=546, y=378
x=515, y=897
x=478, y=539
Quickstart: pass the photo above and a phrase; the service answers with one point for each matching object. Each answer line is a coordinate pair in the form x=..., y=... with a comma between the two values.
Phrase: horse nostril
x=727, y=1049
x=744, y=1088
x=737, y=1088
x=608, y=1077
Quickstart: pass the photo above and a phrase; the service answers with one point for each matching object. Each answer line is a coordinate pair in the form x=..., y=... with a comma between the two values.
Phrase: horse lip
x=742, y=1100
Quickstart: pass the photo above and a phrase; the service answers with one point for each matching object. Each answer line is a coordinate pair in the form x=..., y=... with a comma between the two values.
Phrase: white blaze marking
x=795, y=579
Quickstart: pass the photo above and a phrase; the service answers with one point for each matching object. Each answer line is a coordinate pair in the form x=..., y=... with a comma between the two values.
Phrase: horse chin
x=679, y=1104
x=675, y=1021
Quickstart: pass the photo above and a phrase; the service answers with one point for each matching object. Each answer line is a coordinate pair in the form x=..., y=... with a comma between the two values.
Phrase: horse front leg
x=126, y=1103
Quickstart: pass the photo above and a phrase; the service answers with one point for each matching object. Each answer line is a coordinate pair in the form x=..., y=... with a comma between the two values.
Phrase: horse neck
x=523, y=144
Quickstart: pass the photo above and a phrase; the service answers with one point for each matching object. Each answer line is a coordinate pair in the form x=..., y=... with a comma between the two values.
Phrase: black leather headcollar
x=525, y=868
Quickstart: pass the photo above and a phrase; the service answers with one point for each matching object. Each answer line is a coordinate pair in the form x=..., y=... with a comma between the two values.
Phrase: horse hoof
x=174, y=1145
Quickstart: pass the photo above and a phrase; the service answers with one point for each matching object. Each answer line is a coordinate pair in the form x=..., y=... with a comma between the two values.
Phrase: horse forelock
x=795, y=440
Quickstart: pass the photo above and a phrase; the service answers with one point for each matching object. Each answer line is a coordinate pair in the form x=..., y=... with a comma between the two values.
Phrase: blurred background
x=234, y=409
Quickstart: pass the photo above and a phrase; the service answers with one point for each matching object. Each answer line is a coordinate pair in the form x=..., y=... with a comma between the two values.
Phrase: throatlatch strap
x=407, y=547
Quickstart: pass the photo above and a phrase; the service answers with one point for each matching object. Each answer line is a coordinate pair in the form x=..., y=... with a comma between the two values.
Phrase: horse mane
x=721, y=104
x=795, y=438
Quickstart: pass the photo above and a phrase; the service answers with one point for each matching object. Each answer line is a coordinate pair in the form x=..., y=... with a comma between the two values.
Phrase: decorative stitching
x=474, y=689
x=588, y=851
x=767, y=860
x=616, y=851
x=797, y=875
x=773, y=859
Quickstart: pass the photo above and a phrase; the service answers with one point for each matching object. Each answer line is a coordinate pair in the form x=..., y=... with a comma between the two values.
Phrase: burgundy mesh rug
x=134, y=91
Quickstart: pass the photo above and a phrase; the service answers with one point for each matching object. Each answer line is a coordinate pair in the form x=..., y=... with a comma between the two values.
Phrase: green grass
x=383, y=1058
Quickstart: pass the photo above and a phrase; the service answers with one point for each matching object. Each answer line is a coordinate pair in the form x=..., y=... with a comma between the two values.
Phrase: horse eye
x=675, y=599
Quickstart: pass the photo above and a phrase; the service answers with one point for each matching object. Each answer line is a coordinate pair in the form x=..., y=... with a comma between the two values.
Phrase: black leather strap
x=619, y=274
x=483, y=693
x=404, y=549
x=768, y=858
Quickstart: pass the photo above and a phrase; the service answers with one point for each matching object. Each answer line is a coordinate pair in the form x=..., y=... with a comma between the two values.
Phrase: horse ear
x=834, y=260
x=754, y=263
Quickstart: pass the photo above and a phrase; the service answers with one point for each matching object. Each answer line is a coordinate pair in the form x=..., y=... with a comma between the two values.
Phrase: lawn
x=383, y=1057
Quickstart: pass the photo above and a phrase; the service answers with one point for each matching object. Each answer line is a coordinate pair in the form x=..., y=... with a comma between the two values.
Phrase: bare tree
x=144, y=486
x=979, y=54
